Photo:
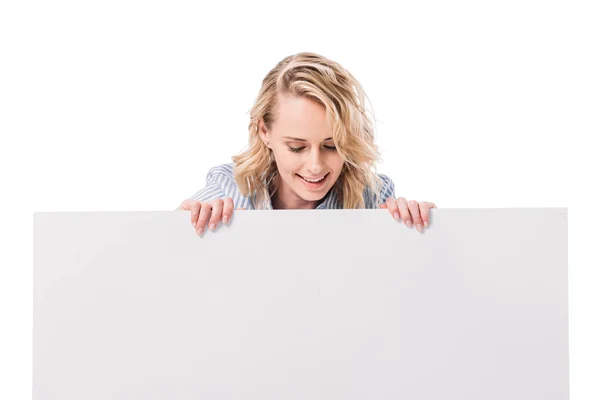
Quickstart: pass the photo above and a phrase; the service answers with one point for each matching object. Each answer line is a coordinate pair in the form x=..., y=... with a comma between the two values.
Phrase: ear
x=264, y=133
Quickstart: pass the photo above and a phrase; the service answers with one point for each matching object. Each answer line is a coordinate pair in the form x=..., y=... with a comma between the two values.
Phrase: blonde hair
x=328, y=83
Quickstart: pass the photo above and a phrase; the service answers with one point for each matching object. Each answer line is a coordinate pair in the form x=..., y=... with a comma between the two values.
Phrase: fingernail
x=200, y=231
x=408, y=223
x=212, y=227
x=225, y=219
x=419, y=227
x=426, y=224
x=397, y=216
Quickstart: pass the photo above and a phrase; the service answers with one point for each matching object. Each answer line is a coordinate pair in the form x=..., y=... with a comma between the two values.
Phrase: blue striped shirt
x=220, y=183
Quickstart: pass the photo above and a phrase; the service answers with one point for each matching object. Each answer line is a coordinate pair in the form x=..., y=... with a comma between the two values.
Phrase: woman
x=311, y=146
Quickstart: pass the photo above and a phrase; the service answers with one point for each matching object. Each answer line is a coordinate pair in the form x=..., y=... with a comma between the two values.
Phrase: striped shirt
x=220, y=183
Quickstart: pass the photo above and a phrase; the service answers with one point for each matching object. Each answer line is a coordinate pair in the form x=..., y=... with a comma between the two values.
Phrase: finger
x=241, y=208
x=392, y=207
x=383, y=205
x=205, y=212
x=227, y=209
x=195, y=211
x=413, y=207
x=186, y=204
x=404, y=213
x=424, y=209
x=216, y=214
x=433, y=205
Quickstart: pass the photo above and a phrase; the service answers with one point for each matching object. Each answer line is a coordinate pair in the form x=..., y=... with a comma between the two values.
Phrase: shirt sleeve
x=388, y=189
x=213, y=189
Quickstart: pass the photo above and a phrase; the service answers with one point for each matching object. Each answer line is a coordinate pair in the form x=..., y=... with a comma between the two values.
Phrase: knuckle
x=413, y=202
x=185, y=205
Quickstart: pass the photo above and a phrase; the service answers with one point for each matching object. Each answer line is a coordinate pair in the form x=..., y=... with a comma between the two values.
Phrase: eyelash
x=298, y=149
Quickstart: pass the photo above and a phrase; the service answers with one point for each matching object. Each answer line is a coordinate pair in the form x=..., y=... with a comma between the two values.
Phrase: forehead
x=301, y=117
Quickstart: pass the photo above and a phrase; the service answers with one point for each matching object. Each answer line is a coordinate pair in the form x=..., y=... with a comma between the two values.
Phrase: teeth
x=318, y=180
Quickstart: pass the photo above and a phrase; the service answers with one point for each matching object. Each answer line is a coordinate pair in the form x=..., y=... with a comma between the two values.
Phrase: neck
x=280, y=203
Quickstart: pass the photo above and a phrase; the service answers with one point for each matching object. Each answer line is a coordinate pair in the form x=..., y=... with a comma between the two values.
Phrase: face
x=306, y=157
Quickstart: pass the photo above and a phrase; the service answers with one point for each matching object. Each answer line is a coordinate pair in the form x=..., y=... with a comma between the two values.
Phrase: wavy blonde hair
x=328, y=83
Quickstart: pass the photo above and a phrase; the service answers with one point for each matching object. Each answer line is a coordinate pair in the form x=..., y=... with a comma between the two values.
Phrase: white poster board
x=302, y=304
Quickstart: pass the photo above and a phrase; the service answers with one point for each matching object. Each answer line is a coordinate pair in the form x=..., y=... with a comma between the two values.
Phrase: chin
x=312, y=196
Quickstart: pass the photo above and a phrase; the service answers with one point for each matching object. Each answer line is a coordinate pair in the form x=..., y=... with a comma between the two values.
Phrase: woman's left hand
x=410, y=212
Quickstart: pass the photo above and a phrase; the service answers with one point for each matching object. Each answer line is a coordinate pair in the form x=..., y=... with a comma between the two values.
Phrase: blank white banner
x=301, y=304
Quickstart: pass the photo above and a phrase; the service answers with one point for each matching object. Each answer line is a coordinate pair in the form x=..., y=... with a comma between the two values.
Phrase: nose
x=315, y=163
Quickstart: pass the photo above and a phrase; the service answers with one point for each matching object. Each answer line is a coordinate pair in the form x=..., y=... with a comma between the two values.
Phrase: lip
x=315, y=178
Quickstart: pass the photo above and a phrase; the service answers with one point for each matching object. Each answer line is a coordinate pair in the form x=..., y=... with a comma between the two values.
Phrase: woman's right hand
x=211, y=212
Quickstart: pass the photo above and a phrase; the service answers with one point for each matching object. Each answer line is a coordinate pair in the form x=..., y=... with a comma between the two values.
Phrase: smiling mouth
x=314, y=180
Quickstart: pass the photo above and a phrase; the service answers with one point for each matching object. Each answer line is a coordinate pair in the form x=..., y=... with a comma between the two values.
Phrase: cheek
x=336, y=162
x=287, y=161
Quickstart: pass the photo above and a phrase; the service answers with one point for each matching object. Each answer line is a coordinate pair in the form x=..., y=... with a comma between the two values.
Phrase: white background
x=123, y=105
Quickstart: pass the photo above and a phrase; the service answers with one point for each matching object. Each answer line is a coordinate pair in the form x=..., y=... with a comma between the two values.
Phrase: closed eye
x=298, y=149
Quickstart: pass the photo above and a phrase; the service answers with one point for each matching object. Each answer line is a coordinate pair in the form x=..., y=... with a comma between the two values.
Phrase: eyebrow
x=303, y=140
